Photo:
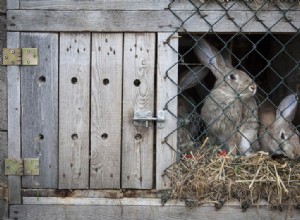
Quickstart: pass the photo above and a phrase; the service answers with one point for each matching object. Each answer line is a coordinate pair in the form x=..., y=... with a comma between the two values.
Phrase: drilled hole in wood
x=104, y=136
x=137, y=82
x=105, y=81
x=138, y=137
x=74, y=136
x=74, y=80
x=41, y=137
x=42, y=79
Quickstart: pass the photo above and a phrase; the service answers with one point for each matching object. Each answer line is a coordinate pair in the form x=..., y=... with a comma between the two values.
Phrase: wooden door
x=77, y=107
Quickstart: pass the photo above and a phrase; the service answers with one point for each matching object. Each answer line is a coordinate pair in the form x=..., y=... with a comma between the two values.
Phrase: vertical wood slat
x=166, y=90
x=106, y=107
x=39, y=100
x=74, y=105
x=137, y=142
x=14, y=119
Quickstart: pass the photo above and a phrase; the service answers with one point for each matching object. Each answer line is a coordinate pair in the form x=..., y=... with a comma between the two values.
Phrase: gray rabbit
x=230, y=110
x=277, y=135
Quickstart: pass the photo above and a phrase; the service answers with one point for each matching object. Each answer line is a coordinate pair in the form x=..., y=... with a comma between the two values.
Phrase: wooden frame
x=121, y=17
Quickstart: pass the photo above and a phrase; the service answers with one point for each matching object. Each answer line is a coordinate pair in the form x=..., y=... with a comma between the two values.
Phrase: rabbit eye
x=282, y=135
x=232, y=77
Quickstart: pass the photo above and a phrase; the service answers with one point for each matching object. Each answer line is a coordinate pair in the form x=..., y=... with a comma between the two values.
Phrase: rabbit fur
x=277, y=135
x=230, y=110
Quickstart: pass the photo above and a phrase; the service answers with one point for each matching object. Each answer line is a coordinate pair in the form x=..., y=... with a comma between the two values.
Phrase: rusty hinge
x=20, y=56
x=25, y=167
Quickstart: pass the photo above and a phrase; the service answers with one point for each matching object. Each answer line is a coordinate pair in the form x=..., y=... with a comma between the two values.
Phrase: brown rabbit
x=277, y=135
x=230, y=110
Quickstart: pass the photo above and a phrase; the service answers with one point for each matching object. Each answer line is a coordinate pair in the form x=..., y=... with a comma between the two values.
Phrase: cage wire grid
x=200, y=75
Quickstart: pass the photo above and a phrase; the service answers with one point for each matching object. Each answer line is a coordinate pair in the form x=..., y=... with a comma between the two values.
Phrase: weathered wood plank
x=3, y=155
x=151, y=211
x=138, y=95
x=12, y=4
x=39, y=98
x=74, y=105
x=152, y=5
x=14, y=119
x=167, y=89
x=3, y=6
x=3, y=77
x=106, y=110
x=151, y=21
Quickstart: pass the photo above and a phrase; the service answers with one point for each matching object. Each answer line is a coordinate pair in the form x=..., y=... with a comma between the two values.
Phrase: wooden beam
x=167, y=89
x=3, y=77
x=14, y=119
x=153, y=21
x=125, y=209
x=134, y=5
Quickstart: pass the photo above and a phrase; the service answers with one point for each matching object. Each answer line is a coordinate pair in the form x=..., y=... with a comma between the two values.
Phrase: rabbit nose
x=252, y=88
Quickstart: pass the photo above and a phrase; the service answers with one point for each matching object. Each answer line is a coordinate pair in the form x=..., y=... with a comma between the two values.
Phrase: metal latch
x=25, y=167
x=20, y=56
x=142, y=118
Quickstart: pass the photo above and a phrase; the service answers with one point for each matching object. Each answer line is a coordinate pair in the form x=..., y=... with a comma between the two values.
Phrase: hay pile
x=205, y=178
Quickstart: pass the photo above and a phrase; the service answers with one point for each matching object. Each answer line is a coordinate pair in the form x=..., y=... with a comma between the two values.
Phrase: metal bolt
x=12, y=51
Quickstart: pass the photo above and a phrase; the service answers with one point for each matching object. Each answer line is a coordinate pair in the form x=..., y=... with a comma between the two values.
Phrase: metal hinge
x=20, y=56
x=25, y=167
x=142, y=118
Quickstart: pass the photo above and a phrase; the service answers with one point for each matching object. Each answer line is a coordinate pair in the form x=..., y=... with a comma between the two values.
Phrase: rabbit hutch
x=108, y=101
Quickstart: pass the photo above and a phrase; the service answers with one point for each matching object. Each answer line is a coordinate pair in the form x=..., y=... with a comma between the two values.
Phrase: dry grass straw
x=204, y=177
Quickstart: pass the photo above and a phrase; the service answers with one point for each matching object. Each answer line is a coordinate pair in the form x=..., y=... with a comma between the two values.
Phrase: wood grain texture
x=3, y=155
x=74, y=110
x=160, y=21
x=149, y=212
x=151, y=5
x=39, y=98
x=14, y=119
x=12, y=4
x=167, y=90
x=138, y=95
x=3, y=77
x=106, y=110
x=3, y=6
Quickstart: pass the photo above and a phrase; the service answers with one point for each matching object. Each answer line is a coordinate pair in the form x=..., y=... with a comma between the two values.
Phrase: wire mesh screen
x=238, y=91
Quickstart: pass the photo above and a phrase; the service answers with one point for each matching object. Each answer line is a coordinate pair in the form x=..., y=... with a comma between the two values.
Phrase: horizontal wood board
x=132, y=5
x=154, y=21
x=53, y=208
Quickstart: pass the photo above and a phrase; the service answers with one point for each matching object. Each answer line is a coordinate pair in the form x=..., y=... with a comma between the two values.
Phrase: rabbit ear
x=210, y=57
x=226, y=53
x=192, y=77
x=287, y=108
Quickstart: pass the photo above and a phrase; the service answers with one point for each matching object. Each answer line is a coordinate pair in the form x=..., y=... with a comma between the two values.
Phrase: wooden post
x=14, y=119
x=167, y=78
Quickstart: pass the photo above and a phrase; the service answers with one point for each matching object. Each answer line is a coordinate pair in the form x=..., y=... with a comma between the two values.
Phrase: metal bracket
x=20, y=56
x=25, y=167
x=142, y=118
